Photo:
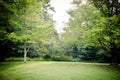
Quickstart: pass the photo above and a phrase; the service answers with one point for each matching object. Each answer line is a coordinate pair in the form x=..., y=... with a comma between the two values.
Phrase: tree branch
x=104, y=46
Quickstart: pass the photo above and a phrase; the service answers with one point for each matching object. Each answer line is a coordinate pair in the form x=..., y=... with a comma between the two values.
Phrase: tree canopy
x=22, y=23
x=95, y=23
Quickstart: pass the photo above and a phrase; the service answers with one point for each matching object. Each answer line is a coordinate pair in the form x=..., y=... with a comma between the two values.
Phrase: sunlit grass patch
x=57, y=71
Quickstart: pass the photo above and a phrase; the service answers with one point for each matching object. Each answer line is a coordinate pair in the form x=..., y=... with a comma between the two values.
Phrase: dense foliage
x=95, y=23
x=92, y=34
x=23, y=26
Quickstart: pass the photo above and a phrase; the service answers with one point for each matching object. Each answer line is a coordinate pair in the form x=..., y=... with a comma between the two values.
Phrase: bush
x=61, y=58
x=22, y=59
x=47, y=56
x=14, y=59
x=35, y=59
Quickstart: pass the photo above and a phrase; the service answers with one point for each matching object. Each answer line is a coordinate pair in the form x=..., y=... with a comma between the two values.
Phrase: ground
x=57, y=71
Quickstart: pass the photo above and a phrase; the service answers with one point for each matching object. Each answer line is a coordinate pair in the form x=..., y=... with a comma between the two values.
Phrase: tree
x=7, y=11
x=109, y=24
x=81, y=21
x=28, y=25
x=95, y=26
x=35, y=29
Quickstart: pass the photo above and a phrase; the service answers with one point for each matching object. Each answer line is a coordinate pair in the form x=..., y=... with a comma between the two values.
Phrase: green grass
x=57, y=71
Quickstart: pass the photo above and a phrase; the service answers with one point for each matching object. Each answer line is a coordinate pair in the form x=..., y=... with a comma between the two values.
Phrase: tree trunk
x=26, y=49
x=25, y=54
x=114, y=61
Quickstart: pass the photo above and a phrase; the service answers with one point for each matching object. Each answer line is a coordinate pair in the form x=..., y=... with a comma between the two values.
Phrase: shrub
x=61, y=58
x=14, y=59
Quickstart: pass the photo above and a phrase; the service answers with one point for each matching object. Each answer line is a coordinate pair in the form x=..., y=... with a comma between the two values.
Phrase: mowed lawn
x=57, y=71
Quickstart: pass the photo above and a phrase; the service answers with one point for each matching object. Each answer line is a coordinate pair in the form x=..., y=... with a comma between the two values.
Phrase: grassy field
x=57, y=71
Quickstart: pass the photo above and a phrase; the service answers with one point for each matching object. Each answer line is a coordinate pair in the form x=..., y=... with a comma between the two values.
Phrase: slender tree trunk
x=25, y=54
x=26, y=49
